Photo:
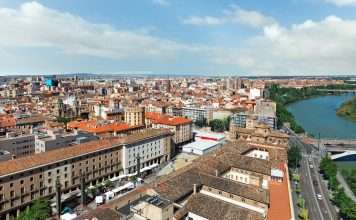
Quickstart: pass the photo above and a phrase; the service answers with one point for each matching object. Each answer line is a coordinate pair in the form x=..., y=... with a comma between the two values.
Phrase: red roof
x=7, y=121
x=158, y=118
x=94, y=126
x=279, y=199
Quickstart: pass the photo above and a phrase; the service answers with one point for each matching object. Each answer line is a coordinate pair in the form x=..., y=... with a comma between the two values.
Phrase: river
x=318, y=115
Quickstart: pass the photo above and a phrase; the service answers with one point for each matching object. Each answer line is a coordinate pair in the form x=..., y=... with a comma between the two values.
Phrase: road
x=312, y=184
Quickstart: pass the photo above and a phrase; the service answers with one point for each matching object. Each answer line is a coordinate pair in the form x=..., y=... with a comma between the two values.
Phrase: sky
x=205, y=37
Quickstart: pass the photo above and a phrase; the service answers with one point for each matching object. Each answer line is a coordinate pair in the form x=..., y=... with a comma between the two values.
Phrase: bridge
x=345, y=156
x=337, y=148
x=331, y=142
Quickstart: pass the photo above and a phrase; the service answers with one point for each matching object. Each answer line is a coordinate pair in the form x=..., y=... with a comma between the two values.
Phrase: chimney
x=194, y=188
x=216, y=173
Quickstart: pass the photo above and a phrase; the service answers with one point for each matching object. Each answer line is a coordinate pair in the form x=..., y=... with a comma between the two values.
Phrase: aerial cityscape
x=178, y=110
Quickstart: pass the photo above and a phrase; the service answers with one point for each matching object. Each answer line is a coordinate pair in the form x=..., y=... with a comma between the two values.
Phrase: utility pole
x=138, y=165
x=58, y=197
x=82, y=190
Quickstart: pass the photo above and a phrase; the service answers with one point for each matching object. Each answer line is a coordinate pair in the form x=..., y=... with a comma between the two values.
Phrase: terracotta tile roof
x=31, y=120
x=100, y=214
x=178, y=187
x=7, y=121
x=214, y=209
x=23, y=163
x=230, y=155
x=166, y=119
x=93, y=126
x=279, y=200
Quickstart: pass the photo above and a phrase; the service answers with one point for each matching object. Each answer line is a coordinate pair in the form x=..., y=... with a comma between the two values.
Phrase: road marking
x=312, y=186
x=322, y=192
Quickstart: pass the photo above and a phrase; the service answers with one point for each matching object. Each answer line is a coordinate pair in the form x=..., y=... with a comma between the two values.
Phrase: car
x=319, y=196
x=311, y=166
x=315, y=183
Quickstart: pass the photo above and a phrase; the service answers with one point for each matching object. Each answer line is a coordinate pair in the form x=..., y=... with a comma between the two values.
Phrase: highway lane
x=311, y=184
x=308, y=193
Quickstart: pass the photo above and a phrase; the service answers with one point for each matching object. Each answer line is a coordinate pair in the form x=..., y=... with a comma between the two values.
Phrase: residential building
x=181, y=127
x=239, y=180
x=19, y=144
x=134, y=116
x=25, y=179
x=104, y=127
x=58, y=138
x=198, y=113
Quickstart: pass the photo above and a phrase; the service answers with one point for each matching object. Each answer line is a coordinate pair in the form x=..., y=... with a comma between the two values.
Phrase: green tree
x=217, y=125
x=294, y=156
x=40, y=210
x=303, y=214
x=201, y=122
x=227, y=123
x=64, y=120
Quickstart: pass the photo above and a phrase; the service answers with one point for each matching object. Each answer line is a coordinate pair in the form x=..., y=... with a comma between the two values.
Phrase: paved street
x=312, y=184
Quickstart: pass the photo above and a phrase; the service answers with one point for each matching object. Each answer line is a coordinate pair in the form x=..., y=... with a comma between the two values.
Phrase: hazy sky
x=243, y=37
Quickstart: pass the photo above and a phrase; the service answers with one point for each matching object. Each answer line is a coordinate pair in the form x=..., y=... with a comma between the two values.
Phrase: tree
x=201, y=122
x=303, y=214
x=227, y=123
x=40, y=210
x=63, y=120
x=217, y=125
x=294, y=156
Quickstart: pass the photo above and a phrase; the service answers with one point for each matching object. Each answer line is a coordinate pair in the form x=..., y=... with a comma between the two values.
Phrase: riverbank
x=348, y=109
x=286, y=96
x=318, y=116
x=345, y=203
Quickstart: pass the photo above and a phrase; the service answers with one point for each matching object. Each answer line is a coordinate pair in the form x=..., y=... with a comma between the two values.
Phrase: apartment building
x=134, y=116
x=18, y=144
x=25, y=179
x=180, y=126
x=104, y=127
x=198, y=113
x=150, y=152
x=57, y=138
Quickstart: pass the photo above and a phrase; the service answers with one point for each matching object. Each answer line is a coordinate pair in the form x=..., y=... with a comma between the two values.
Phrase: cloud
x=161, y=2
x=312, y=47
x=235, y=15
x=203, y=21
x=342, y=2
x=325, y=46
x=33, y=25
